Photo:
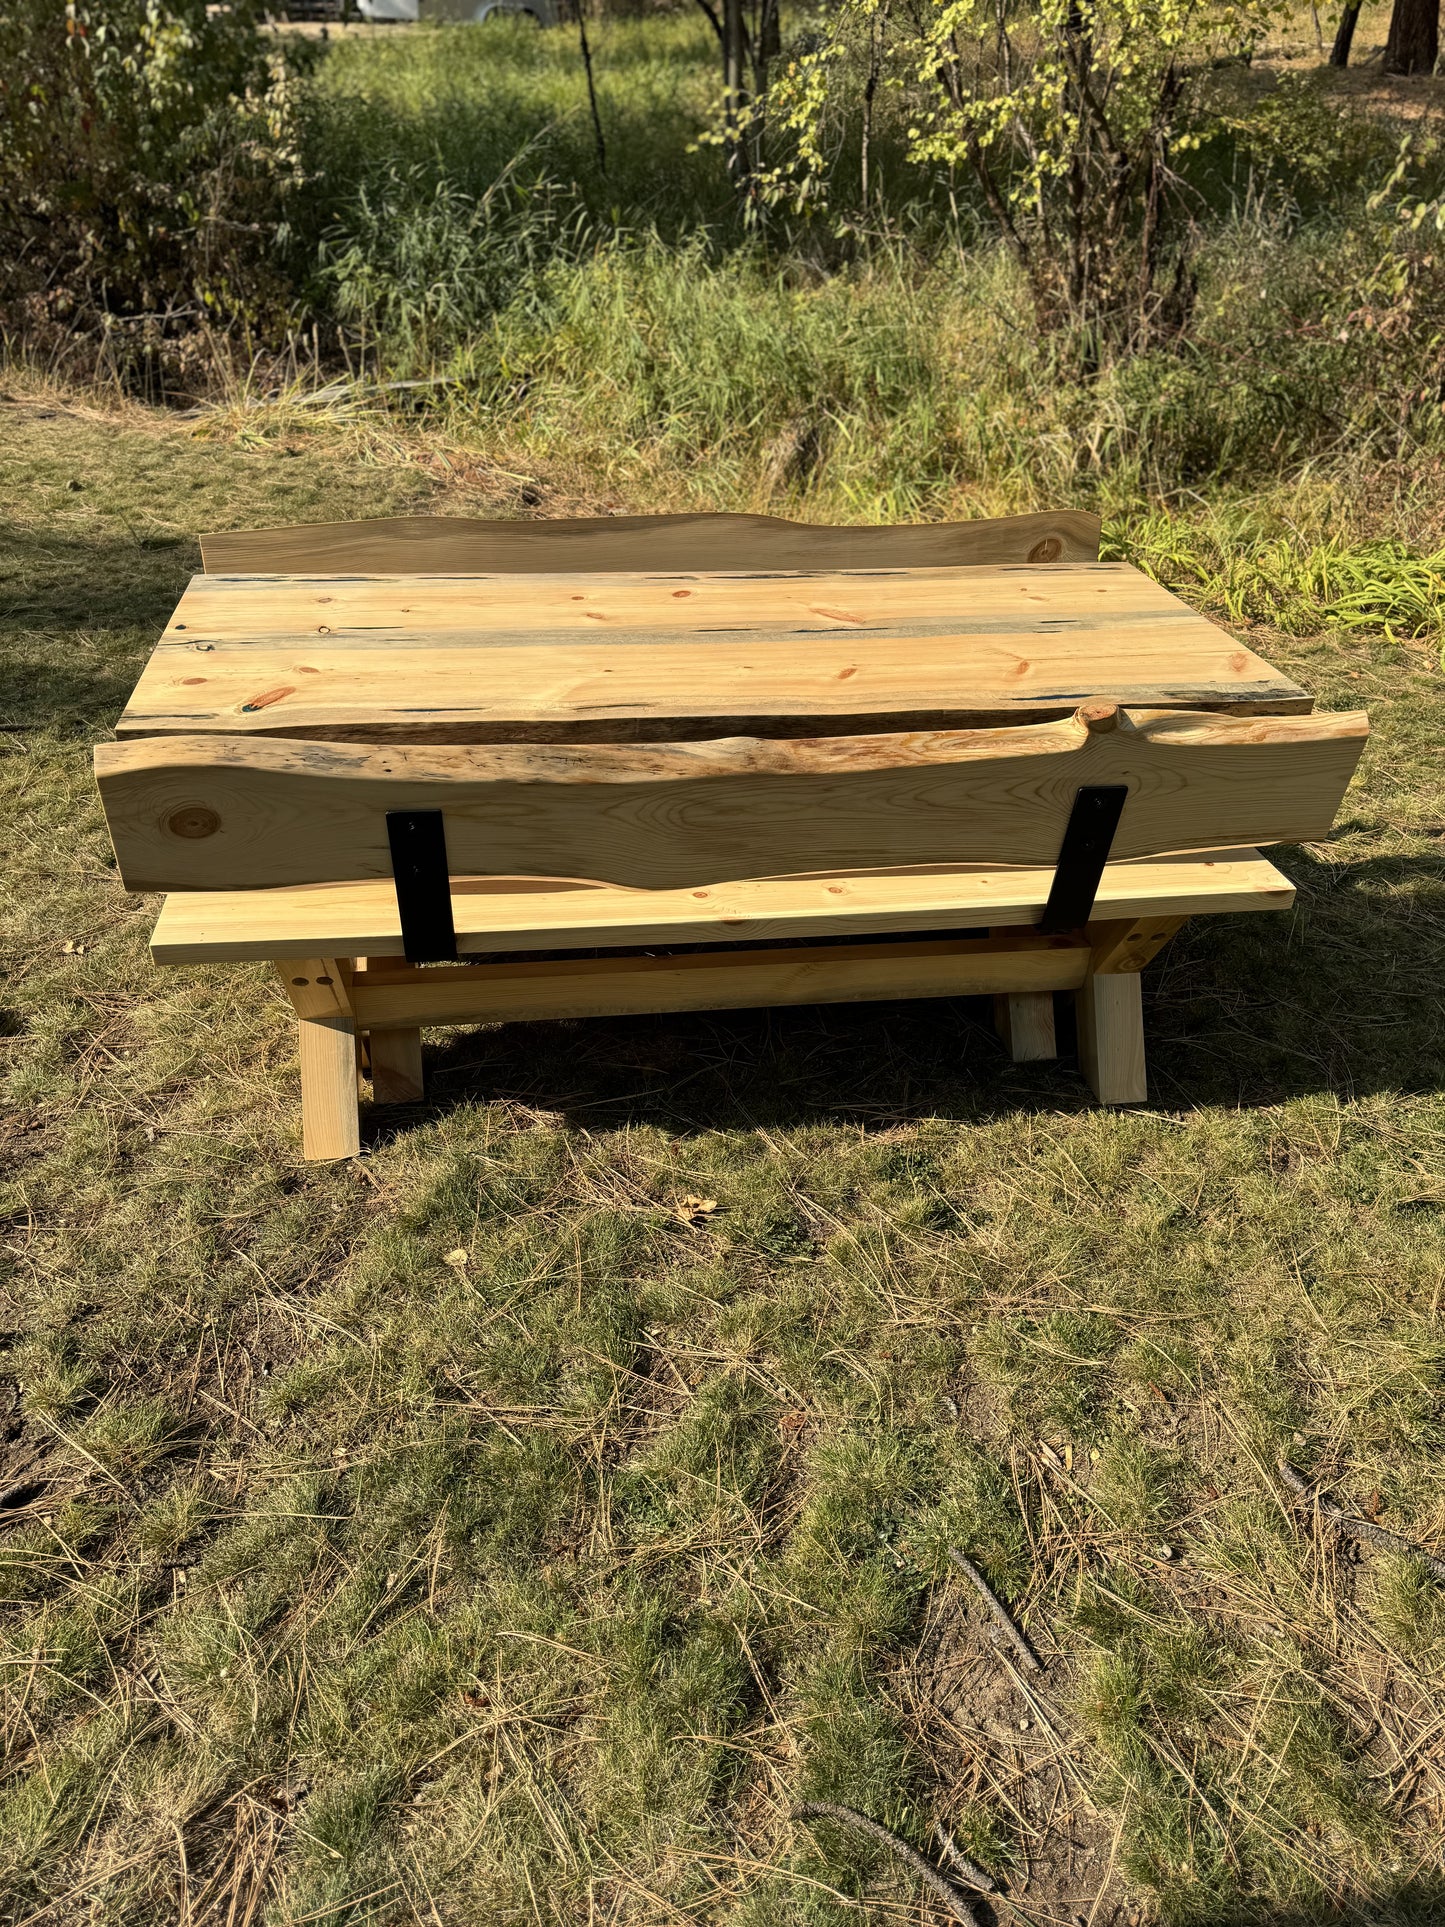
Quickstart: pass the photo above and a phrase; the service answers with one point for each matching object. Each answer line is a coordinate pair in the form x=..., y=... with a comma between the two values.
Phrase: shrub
x=1068, y=117
x=147, y=152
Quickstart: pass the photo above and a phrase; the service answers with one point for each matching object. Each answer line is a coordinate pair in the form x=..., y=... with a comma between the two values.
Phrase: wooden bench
x=1014, y=861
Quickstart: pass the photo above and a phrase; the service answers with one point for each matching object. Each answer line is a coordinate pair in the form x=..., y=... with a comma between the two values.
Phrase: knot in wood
x=194, y=820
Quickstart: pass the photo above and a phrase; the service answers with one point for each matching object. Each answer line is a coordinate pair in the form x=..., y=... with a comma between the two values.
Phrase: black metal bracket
x=1088, y=838
x=423, y=885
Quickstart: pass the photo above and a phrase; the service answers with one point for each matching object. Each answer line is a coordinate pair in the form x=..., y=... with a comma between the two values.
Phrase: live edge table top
x=643, y=657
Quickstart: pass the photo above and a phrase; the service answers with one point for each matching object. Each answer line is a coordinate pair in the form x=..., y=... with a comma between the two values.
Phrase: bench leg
x=1111, y=1037
x=320, y=993
x=1024, y=1019
x=330, y=1117
x=396, y=1068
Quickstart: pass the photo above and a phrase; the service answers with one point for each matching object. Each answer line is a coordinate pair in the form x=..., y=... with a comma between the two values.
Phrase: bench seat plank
x=655, y=657
x=504, y=914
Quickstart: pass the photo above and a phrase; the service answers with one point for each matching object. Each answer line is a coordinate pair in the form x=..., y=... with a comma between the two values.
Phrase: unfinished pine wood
x=461, y=545
x=396, y=1066
x=320, y=992
x=236, y=813
x=658, y=657
x=316, y=986
x=395, y=996
x=1024, y=1019
x=499, y=914
x=1130, y=943
x=330, y=1119
x=1110, y=1015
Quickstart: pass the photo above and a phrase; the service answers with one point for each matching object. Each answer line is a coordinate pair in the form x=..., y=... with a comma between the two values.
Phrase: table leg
x=330, y=1118
x=320, y=993
x=1111, y=1037
x=396, y=1067
x=1025, y=1021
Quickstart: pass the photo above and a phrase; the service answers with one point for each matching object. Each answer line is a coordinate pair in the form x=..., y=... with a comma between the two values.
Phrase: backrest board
x=225, y=813
x=459, y=545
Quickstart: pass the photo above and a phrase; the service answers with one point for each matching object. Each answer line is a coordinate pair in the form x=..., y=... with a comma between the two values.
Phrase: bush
x=148, y=150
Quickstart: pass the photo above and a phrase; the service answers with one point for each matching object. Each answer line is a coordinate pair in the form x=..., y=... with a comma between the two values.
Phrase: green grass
x=467, y=107
x=472, y=1534
x=477, y=1533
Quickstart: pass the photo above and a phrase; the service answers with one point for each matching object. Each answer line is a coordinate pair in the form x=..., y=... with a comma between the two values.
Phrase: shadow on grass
x=78, y=617
x=1418, y=1901
x=1341, y=995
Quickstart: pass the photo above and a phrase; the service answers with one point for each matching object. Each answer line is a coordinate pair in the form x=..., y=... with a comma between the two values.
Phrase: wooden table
x=606, y=656
x=638, y=657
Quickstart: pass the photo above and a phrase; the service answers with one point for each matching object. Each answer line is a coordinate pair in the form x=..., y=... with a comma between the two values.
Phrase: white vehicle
x=544, y=12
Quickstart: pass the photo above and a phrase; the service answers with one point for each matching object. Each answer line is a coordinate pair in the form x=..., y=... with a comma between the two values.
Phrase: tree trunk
x=591, y=85
x=1414, y=38
x=1344, y=38
x=735, y=91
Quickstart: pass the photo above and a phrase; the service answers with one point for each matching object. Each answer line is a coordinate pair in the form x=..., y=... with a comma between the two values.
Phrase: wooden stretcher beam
x=399, y=996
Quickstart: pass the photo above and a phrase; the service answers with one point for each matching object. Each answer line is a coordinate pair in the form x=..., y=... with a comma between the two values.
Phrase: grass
x=481, y=1531
x=478, y=1532
x=467, y=108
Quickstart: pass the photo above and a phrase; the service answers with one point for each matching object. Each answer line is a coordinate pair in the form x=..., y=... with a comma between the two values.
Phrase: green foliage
x=421, y=266
x=148, y=149
x=1289, y=136
x=1068, y=115
x=1256, y=573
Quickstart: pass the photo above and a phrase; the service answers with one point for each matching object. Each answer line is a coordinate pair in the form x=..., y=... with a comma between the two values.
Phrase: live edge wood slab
x=465, y=545
x=236, y=812
x=634, y=657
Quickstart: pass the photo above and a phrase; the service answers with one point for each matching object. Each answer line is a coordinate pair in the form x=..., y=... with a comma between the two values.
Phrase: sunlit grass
x=467, y=106
x=346, y=1578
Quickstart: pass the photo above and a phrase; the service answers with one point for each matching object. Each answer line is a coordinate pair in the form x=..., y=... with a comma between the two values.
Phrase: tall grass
x=461, y=105
x=623, y=322
x=896, y=386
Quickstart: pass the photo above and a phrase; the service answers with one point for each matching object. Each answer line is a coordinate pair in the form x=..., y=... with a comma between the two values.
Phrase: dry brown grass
x=346, y=1583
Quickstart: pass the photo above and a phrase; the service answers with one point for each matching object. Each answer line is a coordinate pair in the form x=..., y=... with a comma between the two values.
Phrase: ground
x=516, y=1523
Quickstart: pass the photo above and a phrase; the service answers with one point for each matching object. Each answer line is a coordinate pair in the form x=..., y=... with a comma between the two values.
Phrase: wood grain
x=500, y=914
x=633, y=657
x=1130, y=943
x=1024, y=1019
x=208, y=812
x=317, y=986
x=1110, y=1017
x=457, y=545
x=397, y=1076
x=717, y=980
x=330, y=1119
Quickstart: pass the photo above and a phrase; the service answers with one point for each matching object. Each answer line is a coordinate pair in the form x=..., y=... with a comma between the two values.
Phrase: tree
x=1413, y=42
x=1345, y=36
x=1069, y=115
x=749, y=36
